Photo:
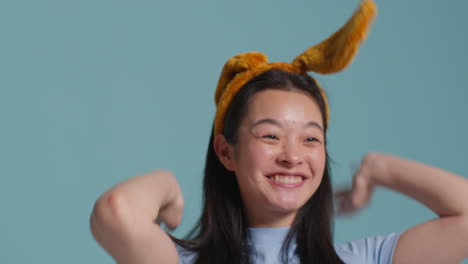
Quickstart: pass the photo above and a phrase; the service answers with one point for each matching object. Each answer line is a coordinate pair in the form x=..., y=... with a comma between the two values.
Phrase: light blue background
x=94, y=92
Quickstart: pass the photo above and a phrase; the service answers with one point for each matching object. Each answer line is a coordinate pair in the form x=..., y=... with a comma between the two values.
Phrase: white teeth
x=287, y=179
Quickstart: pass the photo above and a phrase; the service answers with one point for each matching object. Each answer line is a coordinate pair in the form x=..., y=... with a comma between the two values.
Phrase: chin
x=288, y=205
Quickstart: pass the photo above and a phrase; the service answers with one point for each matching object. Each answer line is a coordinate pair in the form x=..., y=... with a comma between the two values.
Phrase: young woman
x=267, y=187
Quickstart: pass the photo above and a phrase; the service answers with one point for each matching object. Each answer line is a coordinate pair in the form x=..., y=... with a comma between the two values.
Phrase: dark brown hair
x=221, y=234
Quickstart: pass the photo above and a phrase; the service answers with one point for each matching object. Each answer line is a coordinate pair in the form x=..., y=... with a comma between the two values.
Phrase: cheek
x=317, y=159
x=254, y=156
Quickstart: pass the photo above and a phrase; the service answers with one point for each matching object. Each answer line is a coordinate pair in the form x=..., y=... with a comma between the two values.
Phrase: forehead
x=286, y=106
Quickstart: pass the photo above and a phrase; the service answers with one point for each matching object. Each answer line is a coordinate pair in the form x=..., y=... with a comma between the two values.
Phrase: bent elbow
x=109, y=212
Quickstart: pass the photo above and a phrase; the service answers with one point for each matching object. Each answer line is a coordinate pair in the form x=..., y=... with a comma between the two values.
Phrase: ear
x=224, y=151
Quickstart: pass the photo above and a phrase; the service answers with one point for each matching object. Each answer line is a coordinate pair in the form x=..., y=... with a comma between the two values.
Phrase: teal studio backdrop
x=94, y=92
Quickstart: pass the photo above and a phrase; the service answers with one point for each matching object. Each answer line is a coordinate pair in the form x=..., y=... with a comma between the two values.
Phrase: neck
x=268, y=219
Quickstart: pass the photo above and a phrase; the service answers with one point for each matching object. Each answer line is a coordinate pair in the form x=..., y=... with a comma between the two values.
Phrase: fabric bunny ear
x=237, y=64
x=330, y=56
x=335, y=53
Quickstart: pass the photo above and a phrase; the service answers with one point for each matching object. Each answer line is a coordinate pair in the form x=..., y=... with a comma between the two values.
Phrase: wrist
x=379, y=164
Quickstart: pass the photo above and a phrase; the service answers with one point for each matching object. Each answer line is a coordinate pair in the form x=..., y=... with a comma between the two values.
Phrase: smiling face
x=279, y=157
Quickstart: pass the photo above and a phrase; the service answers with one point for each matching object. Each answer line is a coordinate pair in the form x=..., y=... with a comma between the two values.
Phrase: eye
x=270, y=136
x=312, y=139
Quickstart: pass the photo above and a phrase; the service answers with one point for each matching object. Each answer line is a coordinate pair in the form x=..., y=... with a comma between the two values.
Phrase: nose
x=290, y=155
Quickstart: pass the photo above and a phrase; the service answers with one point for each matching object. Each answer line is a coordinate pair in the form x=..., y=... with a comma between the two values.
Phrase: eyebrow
x=276, y=123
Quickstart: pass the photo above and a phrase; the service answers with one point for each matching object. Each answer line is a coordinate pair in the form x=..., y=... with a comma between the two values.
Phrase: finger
x=344, y=204
x=345, y=207
x=342, y=192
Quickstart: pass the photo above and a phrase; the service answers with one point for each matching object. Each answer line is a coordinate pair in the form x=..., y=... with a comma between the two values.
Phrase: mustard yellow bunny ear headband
x=330, y=56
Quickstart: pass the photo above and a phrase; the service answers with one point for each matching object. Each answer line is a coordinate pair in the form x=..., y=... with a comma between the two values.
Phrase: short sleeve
x=378, y=250
x=185, y=256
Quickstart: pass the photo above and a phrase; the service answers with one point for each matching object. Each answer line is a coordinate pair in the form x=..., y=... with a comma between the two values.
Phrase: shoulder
x=377, y=249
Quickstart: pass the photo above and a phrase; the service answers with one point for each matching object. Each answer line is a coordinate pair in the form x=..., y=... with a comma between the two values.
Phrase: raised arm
x=124, y=219
x=441, y=240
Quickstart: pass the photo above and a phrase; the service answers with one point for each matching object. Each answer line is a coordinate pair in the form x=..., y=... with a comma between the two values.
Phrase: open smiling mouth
x=287, y=180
